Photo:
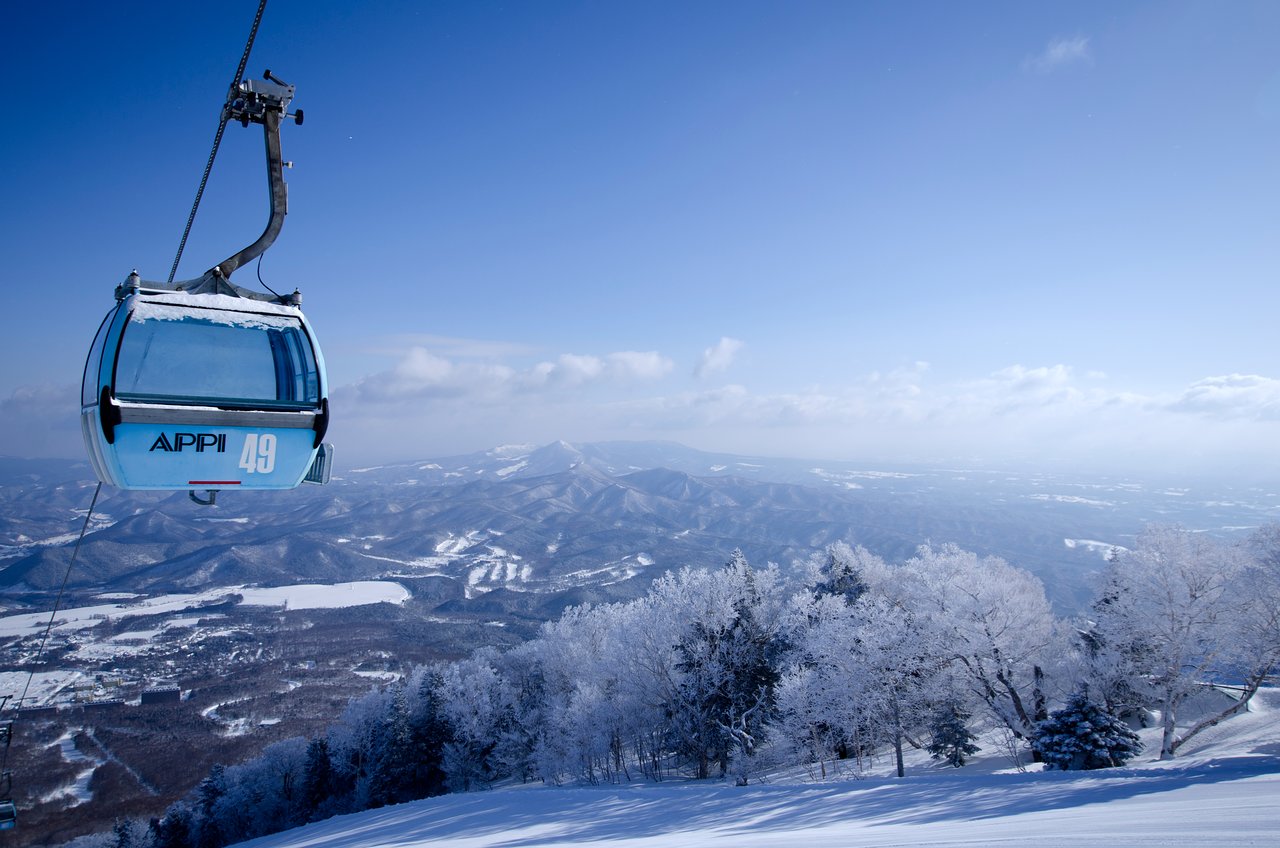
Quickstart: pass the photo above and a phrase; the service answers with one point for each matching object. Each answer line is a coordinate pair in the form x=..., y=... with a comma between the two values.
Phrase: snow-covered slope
x=1225, y=790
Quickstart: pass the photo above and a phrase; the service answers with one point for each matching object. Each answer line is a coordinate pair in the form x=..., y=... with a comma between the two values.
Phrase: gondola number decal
x=259, y=454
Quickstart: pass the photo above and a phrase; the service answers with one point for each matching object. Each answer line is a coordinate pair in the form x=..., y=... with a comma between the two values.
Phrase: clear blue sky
x=961, y=232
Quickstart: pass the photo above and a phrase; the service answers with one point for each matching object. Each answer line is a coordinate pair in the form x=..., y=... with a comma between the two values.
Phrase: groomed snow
x=1225, y=791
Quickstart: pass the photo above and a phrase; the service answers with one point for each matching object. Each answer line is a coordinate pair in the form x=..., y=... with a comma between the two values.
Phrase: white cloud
x=421, y=373
x=427, y=404
x=1018, y=388
x=640, y=365
x=1232, y=396
x=718, y=357
x=1060, y=53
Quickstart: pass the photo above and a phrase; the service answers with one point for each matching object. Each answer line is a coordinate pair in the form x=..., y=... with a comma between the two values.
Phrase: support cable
x=57, y=604
x=217, y=137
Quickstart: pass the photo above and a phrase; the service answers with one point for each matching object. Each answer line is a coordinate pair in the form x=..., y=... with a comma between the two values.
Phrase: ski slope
x=1225, y=790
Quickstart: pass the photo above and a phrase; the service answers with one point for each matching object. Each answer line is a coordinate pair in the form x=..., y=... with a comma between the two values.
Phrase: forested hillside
x=737, y=672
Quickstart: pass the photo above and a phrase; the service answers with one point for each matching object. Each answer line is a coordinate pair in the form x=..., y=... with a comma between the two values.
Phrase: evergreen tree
x=210, y=790
x=318, y=779
x=728, y=677
x=174, y=829
x=841, y=574
x=428, y=734
x=1084, y=735
x=393, y=771
x=123, y=832
x=952, y=742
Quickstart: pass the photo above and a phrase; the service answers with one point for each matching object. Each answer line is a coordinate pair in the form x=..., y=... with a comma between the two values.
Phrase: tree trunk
x=1204, y=724
x=1168, y=712
x=897, y=736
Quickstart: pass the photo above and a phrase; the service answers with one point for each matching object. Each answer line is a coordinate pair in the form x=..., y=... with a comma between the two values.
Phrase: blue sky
x=1002, y=233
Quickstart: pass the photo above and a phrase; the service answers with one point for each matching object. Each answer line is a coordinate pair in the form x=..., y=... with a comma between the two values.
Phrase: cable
x=263, y=282
x=217, y=137
x=57, y=604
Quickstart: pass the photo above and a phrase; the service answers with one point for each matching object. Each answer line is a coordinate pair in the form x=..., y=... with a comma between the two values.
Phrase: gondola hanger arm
x=265, y=101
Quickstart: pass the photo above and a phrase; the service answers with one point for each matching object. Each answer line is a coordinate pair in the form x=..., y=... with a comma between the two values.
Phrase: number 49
x=259, y=454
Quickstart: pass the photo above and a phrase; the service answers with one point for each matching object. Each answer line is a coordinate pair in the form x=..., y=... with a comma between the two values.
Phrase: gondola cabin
x=204, y=391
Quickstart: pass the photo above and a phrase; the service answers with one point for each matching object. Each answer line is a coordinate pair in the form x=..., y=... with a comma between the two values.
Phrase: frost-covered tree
x=1084, y=735
x=173, y=829
x=951, y=740
x=722, y=689
x=1259, y=636
x=354, y=743
x=996, y=622
x=263, y=795
x=861, y=675
x=1251, y=629
x=841, y=571
x=478, y=705
x=208, y=794
x=601, y=672
x=392, y=777
x=319, y=783
x=1176, y=600
x=1112, y=656
x=429, y=732
x=130, y=833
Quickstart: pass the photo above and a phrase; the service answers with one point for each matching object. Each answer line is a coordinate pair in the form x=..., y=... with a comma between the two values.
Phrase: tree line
x=838, y=661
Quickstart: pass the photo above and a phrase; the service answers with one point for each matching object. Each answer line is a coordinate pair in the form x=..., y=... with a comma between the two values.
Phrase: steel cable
x=217, y=137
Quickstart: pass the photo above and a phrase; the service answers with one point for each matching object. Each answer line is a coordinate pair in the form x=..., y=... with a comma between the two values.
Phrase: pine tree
x=728, y=679
x=208, y=793
x=123, y=831
x=1084, y=735
x=952, y=741
x=174, y=829
x=318, y=779
x=392, y=775
x=428, y=734
x=841, y=574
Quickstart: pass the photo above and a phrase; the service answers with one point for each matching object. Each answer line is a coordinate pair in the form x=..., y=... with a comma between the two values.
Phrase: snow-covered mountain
x=531, y=529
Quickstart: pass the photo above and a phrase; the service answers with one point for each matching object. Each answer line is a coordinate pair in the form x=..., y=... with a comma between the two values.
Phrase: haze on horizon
x=1007, y=234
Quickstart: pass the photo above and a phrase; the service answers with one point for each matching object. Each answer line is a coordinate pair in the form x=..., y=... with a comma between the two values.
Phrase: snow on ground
x=327, y=596
x=44, y=684
x=79, y=618
x=1093, y=546
x=300, y=596
x=1224, y=791
x=1071, y=499
x=78, y=790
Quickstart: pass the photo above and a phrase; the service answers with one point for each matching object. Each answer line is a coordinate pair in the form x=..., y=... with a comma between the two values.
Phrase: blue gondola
x=203, y=391
x=205, y=385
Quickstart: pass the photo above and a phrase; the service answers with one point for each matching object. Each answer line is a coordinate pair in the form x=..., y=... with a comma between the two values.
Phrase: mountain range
x=528, y=530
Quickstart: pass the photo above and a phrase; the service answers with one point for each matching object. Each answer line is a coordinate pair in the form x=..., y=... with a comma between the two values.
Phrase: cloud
x=1060, y=53
x=1232, y=396
x=718, y=357
x=423, y=374
x=640, y=365
x=1018, y=388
